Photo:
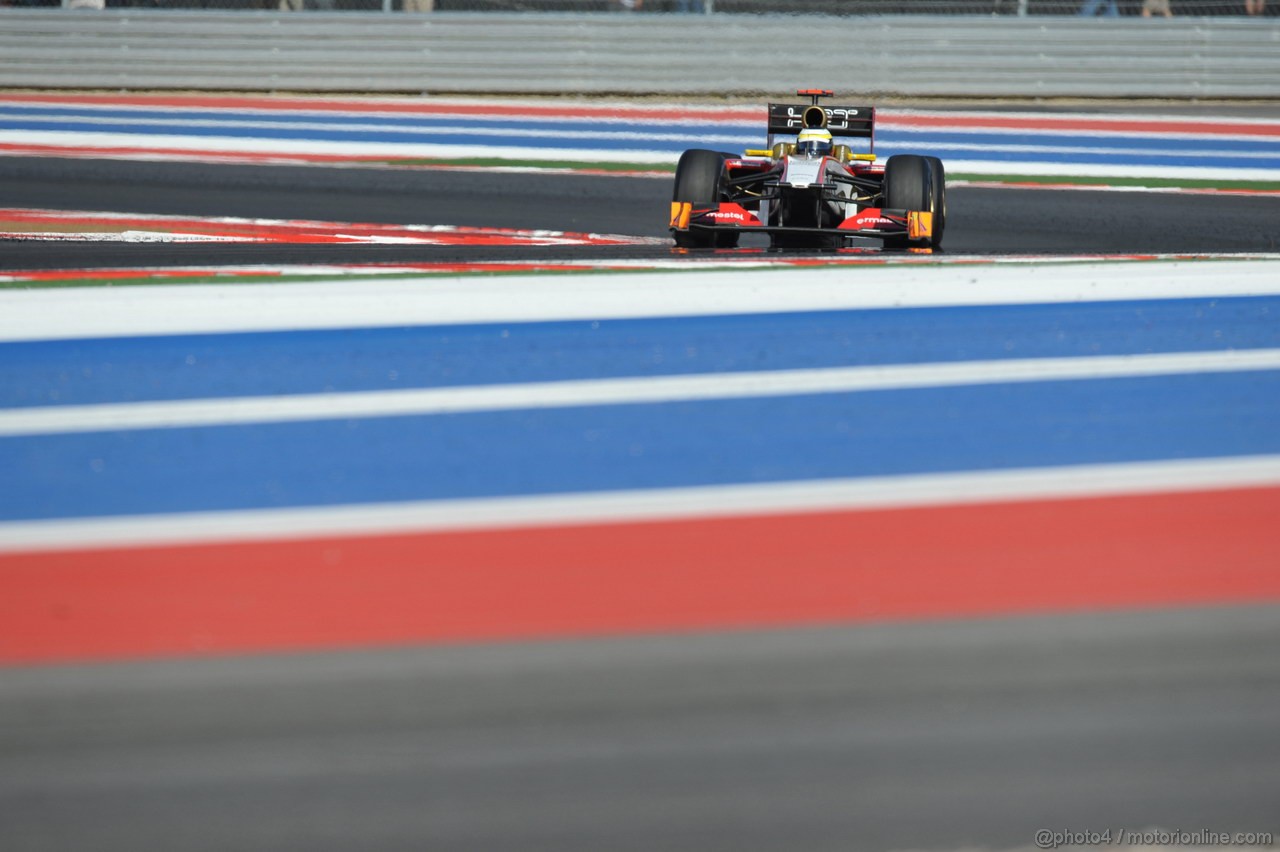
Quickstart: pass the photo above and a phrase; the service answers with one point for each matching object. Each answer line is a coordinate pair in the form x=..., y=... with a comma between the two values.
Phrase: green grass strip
x=560, y=165
x=1145, y=182
x=88, y=280
x=669, y=168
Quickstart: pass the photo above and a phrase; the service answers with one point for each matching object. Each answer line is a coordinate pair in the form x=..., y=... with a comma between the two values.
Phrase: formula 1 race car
x=805, y=191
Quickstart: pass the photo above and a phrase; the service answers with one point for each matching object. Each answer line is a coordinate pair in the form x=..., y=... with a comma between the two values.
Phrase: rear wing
x=844, y=122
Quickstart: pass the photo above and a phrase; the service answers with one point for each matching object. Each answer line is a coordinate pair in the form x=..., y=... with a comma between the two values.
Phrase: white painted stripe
x=79, y=312
x=748, y=118
x=1053, y=151
x=1066, y=185
x=871, y=493
x=1057, y=168
x=504, y=131
x=91, y=139
x=623, y=391
x=888, y=115
x=371, y=108
x=638, y=153
x=644, y=138
x=888, y=128
x=630, y=110
x=120, y=237
x=33, y=217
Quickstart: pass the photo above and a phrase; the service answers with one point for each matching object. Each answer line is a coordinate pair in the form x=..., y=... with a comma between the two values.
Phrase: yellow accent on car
x=919, y=224
x=680, y=212
x=758, y=152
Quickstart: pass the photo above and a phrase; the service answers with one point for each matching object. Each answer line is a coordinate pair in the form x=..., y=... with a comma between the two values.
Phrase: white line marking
x=871, y=493
x=504, y=132
x=622, y=391
x=79, y=312
x=637, y=153
x=887, y=122
x=1057, y=168
x=120, y=237
x=1153, y=151
x=402, y=149
x=518, y=109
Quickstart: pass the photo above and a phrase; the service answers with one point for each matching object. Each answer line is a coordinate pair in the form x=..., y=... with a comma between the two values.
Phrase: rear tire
x=912, y=182
x=700, y=181
x=939, y=176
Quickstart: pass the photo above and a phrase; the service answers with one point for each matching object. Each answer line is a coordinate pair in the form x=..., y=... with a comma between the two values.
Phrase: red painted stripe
x=79, y=274
x=621, y=578
x=1095, y=187
x=258, y=272
x=120, y=151
x=481, y=108
x=887, y=117
x=384, y=161
x=1084, y=125
x=288, y=231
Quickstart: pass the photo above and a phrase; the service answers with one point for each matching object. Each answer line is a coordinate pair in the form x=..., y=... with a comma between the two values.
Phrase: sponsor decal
x=732, y=214
x=802, y=173
x=871, y=218
x=838, y=118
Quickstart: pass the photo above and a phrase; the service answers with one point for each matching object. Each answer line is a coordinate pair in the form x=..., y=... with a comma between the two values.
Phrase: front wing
x=869, y=222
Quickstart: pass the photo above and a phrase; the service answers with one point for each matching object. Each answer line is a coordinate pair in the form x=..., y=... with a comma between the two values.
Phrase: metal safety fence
x=589, y=53
x=1087, y=8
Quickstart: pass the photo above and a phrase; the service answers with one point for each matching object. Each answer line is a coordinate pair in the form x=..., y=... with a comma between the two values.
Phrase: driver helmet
x=813, y=142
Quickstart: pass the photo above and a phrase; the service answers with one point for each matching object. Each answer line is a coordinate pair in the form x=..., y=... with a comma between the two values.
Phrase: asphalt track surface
x=930, y=735
x=980, y=220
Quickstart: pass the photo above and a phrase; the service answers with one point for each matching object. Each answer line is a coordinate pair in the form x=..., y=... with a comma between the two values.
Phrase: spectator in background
x=1109, y=8
x=419, y=5
x=1156, y=7
x=689, y=6
x=1255, y=7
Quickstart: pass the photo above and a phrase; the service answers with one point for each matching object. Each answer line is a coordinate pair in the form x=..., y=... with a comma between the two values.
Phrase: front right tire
x=912, y=182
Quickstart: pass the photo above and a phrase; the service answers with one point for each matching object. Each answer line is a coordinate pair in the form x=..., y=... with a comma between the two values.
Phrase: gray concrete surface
x=906, y=736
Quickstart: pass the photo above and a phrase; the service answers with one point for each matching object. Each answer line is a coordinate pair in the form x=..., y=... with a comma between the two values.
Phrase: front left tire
x=700, y=181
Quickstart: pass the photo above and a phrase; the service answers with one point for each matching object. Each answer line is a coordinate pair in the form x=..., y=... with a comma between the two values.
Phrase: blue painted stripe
x=1136, y=142
x=983, y=427
x=751, y=133
x=1141, y=154
x=1150, y=158
x=373, y=117
x=600, y=138
x=515, y=126
x=77, y=372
